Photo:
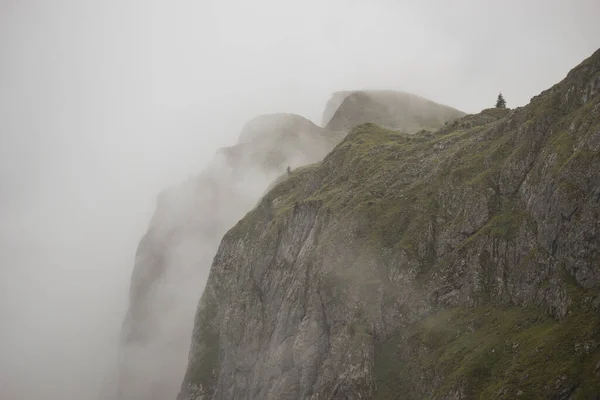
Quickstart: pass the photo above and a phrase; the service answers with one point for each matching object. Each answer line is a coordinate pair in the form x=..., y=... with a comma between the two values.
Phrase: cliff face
x=174, y=256
x=400, y=111
x=453, y=265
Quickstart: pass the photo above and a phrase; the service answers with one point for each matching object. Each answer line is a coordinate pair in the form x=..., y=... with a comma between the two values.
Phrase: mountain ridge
x=403, y=265
x=183, y=236
x=402, y=111
x=190, y=218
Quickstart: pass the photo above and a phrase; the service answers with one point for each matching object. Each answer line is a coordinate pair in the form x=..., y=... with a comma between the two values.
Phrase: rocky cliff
x=174, y=256
x=450, y=265
x=400, y=111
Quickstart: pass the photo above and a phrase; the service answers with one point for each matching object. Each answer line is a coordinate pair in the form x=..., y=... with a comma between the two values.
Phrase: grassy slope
x=493, y=352
x=489, y=351
x=391, y=185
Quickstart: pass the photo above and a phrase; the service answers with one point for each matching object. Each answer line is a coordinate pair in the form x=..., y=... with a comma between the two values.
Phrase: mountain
x=400, y=111
x=458, y=264
x=174, y=256
x=274, y=141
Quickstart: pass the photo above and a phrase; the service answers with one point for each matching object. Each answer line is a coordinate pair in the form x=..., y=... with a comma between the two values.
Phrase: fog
x=105, y=103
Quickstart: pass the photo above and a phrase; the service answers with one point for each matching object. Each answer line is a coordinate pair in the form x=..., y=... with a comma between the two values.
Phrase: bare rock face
x=458, y=264
x=173, y=258
x=399, y=111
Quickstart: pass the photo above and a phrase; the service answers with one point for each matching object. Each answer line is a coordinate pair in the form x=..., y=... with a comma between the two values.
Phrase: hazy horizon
x=104, y=104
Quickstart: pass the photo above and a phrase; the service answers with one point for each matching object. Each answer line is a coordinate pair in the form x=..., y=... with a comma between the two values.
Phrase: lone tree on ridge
x=500, y=102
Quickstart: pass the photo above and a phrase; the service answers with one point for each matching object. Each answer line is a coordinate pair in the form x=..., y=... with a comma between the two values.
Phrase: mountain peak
x=396, y=110
x=274, y=125
x=476, y=245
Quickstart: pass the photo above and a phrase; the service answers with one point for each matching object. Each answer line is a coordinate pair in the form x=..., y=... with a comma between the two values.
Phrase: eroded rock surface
x=173, y=258
x=452, y=265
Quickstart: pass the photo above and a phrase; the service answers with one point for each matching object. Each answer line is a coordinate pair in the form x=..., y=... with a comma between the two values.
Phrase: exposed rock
x=174, y=256
x=409, y=266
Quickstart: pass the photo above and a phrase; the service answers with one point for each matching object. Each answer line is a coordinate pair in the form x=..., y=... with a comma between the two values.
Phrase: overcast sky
x=104, y=103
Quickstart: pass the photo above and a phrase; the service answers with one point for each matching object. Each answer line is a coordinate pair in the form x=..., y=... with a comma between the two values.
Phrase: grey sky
x=104, y=103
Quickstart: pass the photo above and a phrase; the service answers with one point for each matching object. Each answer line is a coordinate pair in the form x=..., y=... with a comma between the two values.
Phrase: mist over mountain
x=401, y=111
x=457, y=264
x=124, y=159
x=174, y=256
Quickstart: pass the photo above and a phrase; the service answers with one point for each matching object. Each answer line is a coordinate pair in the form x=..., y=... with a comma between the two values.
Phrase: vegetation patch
x=562, y=144
x=492, y=352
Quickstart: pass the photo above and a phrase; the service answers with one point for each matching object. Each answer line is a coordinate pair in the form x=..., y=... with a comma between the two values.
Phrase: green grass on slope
x=396, y=189
x=397, y=180
x=492, y=352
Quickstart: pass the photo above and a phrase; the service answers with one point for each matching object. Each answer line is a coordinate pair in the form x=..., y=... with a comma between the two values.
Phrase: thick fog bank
x=105, y=103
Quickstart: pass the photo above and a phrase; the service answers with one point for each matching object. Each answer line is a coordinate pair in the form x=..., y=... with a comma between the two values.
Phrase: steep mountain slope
x=401, y=111
x=451, y=265
x=174, y=256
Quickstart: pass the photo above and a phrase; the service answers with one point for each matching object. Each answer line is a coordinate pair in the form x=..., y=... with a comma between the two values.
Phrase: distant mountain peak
x=396, y=110
x=273, y=125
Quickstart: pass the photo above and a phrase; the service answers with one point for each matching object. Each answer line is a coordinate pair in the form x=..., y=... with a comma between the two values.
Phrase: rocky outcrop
x=400, y=111
x=451, y=265
x=173, y=258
